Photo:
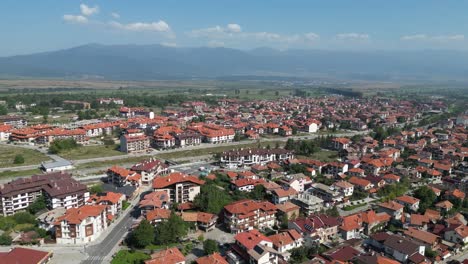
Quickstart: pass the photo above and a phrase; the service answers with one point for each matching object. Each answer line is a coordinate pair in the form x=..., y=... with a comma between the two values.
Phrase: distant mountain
x=145, y=62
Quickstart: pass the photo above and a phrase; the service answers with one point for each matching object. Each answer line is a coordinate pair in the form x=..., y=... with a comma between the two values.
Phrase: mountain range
x=150, y=62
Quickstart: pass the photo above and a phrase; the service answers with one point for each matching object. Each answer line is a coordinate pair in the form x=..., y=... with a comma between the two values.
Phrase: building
x=107, y=101
x=121, y=177
x=14, y=121
x=167, y=256
x=249, y=157
x=148, y=169
x=59, y=190
x=298, y=182
x=113, y=201
x=394, y=209
x=409, y=202
x=81, y=225
x=49, y=136
x=285, y=241
x=202, y=221
x=316, y=228
x=402, y=249
x=327, y=193
x=252, y=247
x=344, y=188
x=20, y=255
x=309, y=203
x=246, y=215
x=179, y=187
x=57, y=165
x=214, y=258
x=134, y=141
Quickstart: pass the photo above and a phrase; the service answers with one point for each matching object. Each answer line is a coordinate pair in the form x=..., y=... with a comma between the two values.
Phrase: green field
x=31, y=157
x=22, y=173
x=323, y=155
x=89, y=152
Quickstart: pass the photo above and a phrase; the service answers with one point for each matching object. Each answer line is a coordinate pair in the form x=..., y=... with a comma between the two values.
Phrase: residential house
x=309, y=203
x=121, y=177
x=409, y=202
x=316, y=228
x=249, y=157
x=285, y=241
x=344, y=188
x=283, y=195
x=179, y=187
x=214, y=258
x=252, y=247
x=167, y=256
x=402, y=249
x=394, y=209
x=148, y=169
x=245, y=215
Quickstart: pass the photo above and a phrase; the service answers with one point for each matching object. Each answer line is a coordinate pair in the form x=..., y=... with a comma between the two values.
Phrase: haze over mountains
x=147, y=62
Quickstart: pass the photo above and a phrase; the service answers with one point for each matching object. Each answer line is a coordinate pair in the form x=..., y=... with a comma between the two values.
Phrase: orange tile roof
x=407, y=199
x=174, y=178
x=167, y=256
x=214, y=258
x=77, y=215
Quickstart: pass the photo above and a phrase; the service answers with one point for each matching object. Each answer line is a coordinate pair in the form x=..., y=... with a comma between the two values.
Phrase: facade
x=249, y=157
x=309, y=203
x=179, y=187
x=121, y=177
x=148, y=169
x=134, y=141
x=59, y=190
x=81, y=225
x=246, y=215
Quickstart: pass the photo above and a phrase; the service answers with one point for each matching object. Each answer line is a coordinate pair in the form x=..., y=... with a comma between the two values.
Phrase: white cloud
x=169, y=44
x=77, y=19
x=352, y=36
x=88, y=11
x=235, y=28
x=311, y=36
x=424, y=37
x=115, y=15
x=160, y=26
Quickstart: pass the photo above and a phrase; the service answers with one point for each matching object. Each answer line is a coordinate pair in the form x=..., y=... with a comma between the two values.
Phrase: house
x=374, y=259
x=456, y=194
x=283, y=195
x=298, y=182
x=391, y=178
x=409, y=202
x=246, y=184
x=308, y=203
x=358, y=172
x=327, y=193
x=214, y=258
x=402, y=249
x=179, y=187
x=316, y=228
x=19, y=255
x=113, y=201
x=355, y=225
x=121, y=177
x=167, y=256
x=81, y=225
x=290, y=210
x=244, y=215
x=340, y=143
x=311, y=126
x=444, y=206
x=335, y=168
x=457, y=233
x=153, y=200
x=157, y=215
x=285, y=241
x=342, y=254
x=203, y=221
x=252, y=247
x=344, y=187
x=148, y=169
x=361, y=183
x=421, y=236
x=59, y=190
x=394, y=209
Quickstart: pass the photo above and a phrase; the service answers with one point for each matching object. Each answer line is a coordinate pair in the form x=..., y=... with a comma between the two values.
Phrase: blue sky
x=32, y=26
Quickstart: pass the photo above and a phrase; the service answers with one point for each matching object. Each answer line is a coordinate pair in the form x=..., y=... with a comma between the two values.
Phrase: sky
x=35, y=26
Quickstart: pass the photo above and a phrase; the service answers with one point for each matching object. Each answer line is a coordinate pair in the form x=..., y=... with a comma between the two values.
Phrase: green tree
x=97, y=188
x=129, y=257
x=143, y=235
x=210, y=246
x=19, y=159
x=211, y=199
x=60, y=145
x=3, y=110
x=258, y=193
x=24, y=218
x=171, y=231
x=426, y=198
x=5, y=240
x=333, y=212
x=38, y=205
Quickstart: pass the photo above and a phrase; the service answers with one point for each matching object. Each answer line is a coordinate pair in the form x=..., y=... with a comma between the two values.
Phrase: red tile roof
x=168, y=256
x=174, y=178
x=250, y=239
x=24, y=256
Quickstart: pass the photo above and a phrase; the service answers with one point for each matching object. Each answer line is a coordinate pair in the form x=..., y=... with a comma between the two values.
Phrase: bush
x=5, y=240
x=210, y=246
x=63, y=144
x=128, y=257
x=19, y=159
x=24, y=218
x=38, y=205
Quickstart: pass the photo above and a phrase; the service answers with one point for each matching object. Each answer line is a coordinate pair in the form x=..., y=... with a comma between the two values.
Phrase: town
x=335, y=178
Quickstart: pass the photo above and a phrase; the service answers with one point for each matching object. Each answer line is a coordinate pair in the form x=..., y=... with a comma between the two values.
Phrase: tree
x=24, y=218
x=171, y=231
x=426, y=198
x=38, y=205
x=129, y=257
x=60, y=145
x=210, y=246
x=3, y=110
x=143, y=235
x=258, y=193
x=237, y=137
x=211, y=199
x=97, y=188
x=333, y=212
x=19, y=159
x=5, y=240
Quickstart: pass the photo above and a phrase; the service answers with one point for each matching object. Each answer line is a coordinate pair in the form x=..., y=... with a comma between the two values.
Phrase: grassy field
x=8, y=153
x=14, y=174
x=110, y=163
x=88, y=152
x=352, y=207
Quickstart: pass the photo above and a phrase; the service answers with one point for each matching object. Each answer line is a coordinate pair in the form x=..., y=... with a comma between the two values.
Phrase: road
x=101, y=251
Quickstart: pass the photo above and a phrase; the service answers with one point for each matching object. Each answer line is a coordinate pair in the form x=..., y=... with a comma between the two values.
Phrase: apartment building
x=148, y=169
x=249, y=157
x=252, y=247
x=179, y=187
x=309, y=203
x=134, y=141
x=244, y=215
x=113, y=202
x=120, y=176
x=81, y=225
x=49, y=136
x=59, y=190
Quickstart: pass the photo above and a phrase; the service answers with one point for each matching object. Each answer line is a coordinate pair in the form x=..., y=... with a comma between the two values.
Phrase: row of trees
x=310, y=146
